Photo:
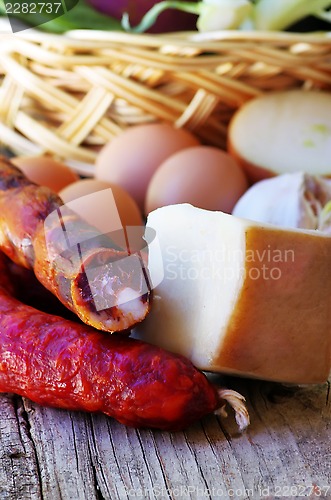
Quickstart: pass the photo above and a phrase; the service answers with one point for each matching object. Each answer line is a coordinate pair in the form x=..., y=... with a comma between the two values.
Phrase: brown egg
x=109, y=208
x=46, y=171
x=204, y=176
x=131, y=158
x=128, y=210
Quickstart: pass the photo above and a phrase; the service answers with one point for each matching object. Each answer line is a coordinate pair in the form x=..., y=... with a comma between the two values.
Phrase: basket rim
x=178, y=38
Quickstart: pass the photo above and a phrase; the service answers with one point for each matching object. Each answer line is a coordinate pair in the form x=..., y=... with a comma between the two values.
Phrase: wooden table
x=52, y=454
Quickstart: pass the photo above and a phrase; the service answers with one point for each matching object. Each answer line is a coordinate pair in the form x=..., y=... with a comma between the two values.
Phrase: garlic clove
x=324, y=223
x=293, y=200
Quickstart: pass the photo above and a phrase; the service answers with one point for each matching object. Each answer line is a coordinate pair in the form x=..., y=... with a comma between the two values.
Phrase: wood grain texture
x=49, y=454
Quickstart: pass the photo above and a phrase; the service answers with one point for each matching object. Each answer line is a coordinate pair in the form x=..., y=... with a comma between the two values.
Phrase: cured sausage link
x=63, y=268
x=56, y=362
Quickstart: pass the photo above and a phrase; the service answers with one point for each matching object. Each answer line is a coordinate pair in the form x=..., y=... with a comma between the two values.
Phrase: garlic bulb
x=294, y=200
x=325, y=219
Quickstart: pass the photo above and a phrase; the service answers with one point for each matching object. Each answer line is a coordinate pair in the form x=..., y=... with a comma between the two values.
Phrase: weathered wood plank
x=62, y=449
x=52, y=454
x=19, y=473
x=281, y=442
x=124, y=459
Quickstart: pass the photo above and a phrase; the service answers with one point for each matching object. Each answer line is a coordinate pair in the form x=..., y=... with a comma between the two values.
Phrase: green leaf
x=82, y=16
x=151, y=16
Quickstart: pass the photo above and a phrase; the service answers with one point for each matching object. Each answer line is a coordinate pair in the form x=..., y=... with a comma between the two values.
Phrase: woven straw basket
x=69, y=95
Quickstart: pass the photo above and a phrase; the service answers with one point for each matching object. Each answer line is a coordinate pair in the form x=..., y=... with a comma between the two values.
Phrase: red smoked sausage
x=56, y=362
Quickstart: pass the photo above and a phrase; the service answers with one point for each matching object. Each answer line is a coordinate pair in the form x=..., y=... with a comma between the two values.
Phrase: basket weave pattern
x=69, y=95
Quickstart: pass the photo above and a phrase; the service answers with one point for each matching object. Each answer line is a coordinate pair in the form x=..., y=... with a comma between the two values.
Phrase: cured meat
x=107, y=287
x=56, y=362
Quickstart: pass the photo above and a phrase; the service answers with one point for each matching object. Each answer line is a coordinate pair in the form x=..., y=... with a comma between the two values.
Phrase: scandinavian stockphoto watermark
x=226, y=263
x=140, y=262
x=35, y=12
x=258, y=492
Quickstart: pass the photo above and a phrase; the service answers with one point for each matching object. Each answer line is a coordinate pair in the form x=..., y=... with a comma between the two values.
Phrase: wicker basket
x=69, y=95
